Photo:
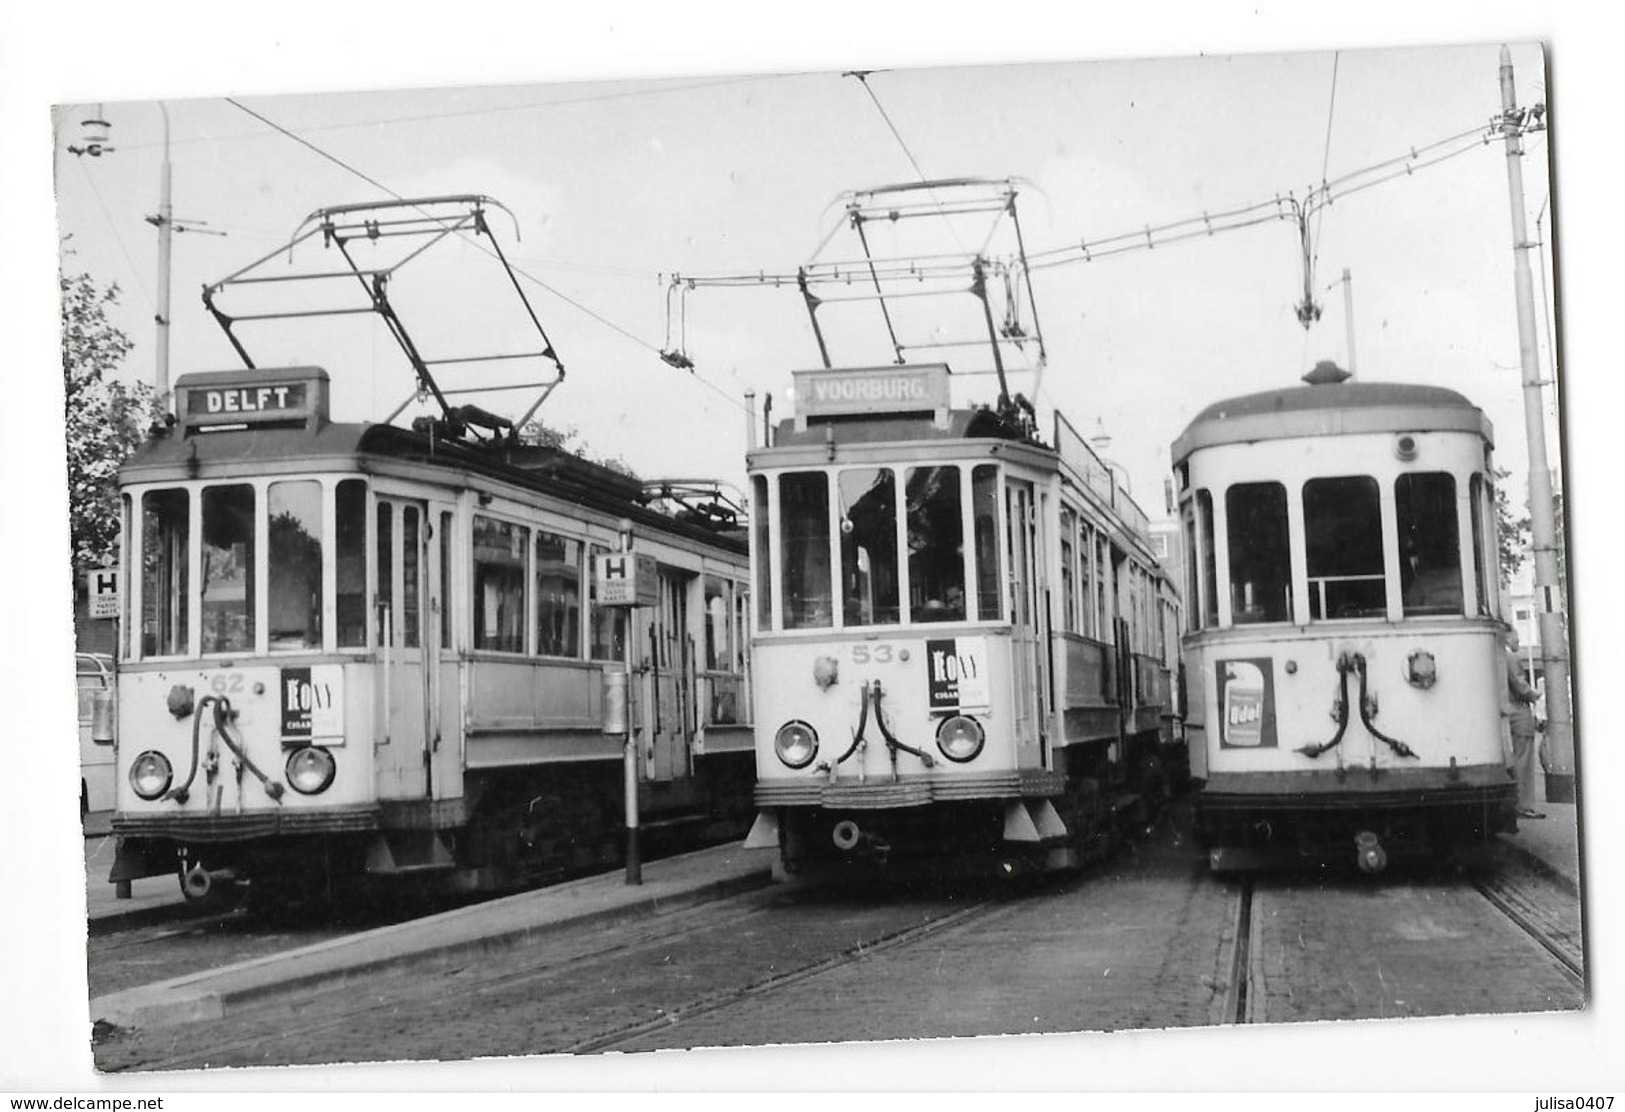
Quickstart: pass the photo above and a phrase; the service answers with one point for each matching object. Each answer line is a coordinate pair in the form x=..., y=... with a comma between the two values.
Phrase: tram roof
x=1332, y=409
x=549, y=471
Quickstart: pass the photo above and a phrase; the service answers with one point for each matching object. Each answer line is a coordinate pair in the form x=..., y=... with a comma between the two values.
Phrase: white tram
x=959, y=644
x=360, y=650
x=1344, y=657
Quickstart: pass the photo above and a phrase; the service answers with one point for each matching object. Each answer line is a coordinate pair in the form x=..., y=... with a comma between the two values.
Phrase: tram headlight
x=796, y=743
x=310, y=769
x=960, y=738
x=150, y=774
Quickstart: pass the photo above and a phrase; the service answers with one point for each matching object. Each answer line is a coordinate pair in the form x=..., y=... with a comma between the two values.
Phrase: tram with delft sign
x=1344, y=655
x=960, y=645
x=358, y=652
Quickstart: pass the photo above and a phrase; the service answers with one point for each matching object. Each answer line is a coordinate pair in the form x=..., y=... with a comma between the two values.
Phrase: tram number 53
x=876, y=654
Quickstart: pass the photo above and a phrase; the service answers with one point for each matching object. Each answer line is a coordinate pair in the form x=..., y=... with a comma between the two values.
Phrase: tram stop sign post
x=625, y=579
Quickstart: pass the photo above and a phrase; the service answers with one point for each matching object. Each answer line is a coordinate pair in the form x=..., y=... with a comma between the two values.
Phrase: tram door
x=408, y=631
x=672, y=666
x=1027, y=658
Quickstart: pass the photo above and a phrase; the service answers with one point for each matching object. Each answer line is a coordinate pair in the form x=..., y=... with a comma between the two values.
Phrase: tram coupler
x=197, y=882
x=1369, y=853
x=848, y=837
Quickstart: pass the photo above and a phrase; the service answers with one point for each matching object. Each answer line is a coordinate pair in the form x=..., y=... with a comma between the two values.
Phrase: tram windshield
x=1429, y=545
x=880, y=546
x=259, y=555
x=1260, y=555
x=1342, y=521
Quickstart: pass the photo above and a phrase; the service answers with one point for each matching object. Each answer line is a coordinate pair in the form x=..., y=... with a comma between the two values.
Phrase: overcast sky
x=723, y=153
x=615, y=186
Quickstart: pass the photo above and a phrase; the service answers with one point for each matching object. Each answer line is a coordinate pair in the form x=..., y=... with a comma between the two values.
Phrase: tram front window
x=1260, y=565
x=868, y=500
x=295, y=565
x=165, y=557
x=936, y=548
x=804, y=526
x=1342, y=524
x=984, y=486
x=228, y=569
x=1429, y=545
x=350, y=563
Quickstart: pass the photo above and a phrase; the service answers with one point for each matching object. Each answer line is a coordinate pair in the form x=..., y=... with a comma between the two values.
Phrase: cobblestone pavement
x=1147, y=941
x=1353, y=949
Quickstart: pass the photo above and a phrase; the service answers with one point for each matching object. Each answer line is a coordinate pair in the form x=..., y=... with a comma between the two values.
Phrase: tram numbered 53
x=358, y=650
x=961, y=644
x=1344, y=655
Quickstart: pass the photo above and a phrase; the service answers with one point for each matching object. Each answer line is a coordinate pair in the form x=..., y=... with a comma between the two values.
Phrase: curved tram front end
x=1344, y=656
x=955, y=628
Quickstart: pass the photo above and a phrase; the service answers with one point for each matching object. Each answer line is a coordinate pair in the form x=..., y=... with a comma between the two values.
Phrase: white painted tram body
x=357, y=650
x=959, y=649
x=1343, y=655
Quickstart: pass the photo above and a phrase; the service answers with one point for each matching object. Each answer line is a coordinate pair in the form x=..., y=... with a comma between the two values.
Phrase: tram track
x=627, y=1037
x=1538, y=915
x=1239, y=995
x=554, y=970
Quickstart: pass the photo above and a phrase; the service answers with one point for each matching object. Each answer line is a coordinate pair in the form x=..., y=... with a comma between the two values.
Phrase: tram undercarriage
x=1092, y=809
x=1371, y=830
x=513, y=830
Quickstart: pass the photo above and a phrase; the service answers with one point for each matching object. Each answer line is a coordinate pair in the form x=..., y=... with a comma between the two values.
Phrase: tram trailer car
x=1347, y=680
x=360, y=651
x=958, y=647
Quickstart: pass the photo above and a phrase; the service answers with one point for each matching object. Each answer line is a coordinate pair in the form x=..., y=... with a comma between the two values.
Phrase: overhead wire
x=572, y=302
x=530, y=106
x=118, y=238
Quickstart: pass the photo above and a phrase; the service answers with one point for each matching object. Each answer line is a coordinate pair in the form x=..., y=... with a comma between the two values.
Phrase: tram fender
x=1018, y=824
x=407, y=851
x=764, y=832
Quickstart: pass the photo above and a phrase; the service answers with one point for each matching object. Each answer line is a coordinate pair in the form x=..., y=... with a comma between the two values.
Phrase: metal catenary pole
x=165, y=224
x=1549, y=602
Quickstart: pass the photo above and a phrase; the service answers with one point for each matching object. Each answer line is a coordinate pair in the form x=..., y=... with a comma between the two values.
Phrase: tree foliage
x=1512, y=531
x=106, y=419
x=569, y=439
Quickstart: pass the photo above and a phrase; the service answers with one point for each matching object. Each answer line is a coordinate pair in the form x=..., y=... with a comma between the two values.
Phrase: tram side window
x=804, y=559
x=444, y=612
x=350, y=563
x=1088, y=600
x=1260, y=560
x=1189, y=515
x=1069, y=584
x=725, y=683
x=984, y=486
x=717, y=619
x=1343, y=537
x=558, y=595
x=1210, y=574
x=936, y=547
x=228, y=569
x=608, y=633
x=165, y=533
x=499, y=585
x=411, y=577
x=1429, y=544
x=762, y=547
x=294, y=564
x=1478, y=507
x=868, y=503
